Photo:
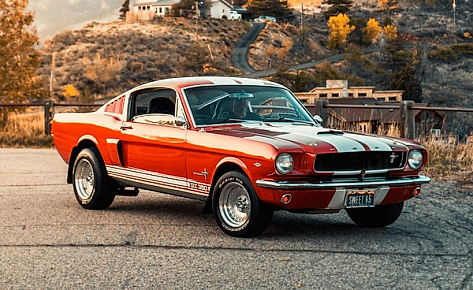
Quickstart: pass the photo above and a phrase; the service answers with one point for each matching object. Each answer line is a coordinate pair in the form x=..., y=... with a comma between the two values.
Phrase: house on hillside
x=147, y=10
x=219, y=9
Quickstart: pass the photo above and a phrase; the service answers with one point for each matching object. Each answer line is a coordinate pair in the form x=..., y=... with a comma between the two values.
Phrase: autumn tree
x=337, y=7
x=124, y=9
x=19, y=58
x=390, y=32
x=339, y=30
x=371, y=31
x=388, y=4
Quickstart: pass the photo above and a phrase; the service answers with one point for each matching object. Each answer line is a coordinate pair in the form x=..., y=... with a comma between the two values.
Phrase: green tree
x=183, y=8
x=124, y=9
x=406, y=80
x=19, y=59
x=357, y=34
x=337, y=7
x=277, y=8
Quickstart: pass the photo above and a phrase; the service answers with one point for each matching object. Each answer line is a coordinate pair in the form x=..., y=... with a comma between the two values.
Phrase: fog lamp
x=416, y=192
x=285, y=199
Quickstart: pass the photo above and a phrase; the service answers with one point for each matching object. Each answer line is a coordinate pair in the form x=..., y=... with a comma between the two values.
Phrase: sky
x=55, y=16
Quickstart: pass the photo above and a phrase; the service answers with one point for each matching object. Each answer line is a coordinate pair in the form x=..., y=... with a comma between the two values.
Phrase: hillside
x=102, y=60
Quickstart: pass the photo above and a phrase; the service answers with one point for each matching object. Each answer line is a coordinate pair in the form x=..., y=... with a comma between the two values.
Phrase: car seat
x=161, y=106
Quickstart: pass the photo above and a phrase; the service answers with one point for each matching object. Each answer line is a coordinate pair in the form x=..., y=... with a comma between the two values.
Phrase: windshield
x=232, y=104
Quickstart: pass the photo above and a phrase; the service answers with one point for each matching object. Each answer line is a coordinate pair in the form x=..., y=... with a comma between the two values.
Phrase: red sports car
x=245, y=147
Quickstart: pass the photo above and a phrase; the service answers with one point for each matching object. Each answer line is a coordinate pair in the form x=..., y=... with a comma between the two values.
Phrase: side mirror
x=180, y=121
x=318, y=119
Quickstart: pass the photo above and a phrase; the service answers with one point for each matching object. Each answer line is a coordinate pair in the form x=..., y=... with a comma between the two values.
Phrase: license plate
x=359, y=198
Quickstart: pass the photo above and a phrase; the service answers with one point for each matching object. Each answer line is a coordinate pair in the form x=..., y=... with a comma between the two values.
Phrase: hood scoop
x=331, y=132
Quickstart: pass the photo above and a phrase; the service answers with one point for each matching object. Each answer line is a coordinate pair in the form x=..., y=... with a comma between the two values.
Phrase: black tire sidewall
x=378, y=216
x=100, y=198
x=252, y=225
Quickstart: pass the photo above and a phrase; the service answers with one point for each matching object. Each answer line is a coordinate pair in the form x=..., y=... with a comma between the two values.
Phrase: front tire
x=90, y=181
x=378, y=216
x=236, y=207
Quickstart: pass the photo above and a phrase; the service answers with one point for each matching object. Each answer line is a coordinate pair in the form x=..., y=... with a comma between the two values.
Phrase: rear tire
x=236, y=207
x=378, y=216
x=92, y=186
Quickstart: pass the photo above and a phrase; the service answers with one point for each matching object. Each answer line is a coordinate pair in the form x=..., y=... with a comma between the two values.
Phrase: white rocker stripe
x=158, y=180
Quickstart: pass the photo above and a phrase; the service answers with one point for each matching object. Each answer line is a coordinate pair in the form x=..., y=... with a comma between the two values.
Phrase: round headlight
x=416, y=159
x=284, y=163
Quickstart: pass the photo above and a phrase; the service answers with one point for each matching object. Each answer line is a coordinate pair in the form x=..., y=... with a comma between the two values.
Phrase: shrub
x=443, y=54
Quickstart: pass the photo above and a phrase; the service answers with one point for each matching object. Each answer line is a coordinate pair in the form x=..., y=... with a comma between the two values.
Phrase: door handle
x=124, y=127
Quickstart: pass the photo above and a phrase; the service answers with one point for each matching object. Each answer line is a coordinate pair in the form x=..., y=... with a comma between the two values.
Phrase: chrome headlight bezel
x=415, y=159
x=284, y=163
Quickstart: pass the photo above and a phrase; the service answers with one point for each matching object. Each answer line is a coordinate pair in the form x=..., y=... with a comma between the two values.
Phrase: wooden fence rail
x=320, y=107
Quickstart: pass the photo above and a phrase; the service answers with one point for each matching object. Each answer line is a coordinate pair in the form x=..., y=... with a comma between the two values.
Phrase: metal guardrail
x=407, y=108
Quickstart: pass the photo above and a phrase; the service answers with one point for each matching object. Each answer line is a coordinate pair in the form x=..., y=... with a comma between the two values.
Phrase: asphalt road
x=154, y=241
x=239, y=56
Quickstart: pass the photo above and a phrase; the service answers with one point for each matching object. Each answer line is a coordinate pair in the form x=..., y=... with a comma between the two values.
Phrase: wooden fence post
x=48, y=115
x=402, y=119
x=407, y=121
x=410, y=120
x=322, y=111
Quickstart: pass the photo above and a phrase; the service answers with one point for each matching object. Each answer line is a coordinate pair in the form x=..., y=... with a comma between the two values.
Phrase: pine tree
x=406, y=80
x=277, y=8
x=124, y=9
x=337, y=7
x=19, y=59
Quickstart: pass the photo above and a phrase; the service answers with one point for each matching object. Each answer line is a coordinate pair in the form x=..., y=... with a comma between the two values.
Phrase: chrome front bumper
x=284, y=185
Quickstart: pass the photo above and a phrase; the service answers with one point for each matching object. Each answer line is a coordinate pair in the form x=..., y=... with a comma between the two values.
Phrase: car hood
x=312, y=138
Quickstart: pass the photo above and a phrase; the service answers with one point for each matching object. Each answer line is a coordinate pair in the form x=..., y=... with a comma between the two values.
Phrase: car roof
x=184, y=82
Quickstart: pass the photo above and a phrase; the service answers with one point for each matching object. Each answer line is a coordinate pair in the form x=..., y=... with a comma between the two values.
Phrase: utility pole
x=454, y=20
x=53, y=61
x=196, y=21
x=302, y=20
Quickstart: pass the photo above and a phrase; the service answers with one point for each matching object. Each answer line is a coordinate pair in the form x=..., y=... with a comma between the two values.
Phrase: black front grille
x=372, y=160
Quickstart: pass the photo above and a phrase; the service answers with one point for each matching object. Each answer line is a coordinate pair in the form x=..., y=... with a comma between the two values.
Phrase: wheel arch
x=221, y=170
x=84, y=143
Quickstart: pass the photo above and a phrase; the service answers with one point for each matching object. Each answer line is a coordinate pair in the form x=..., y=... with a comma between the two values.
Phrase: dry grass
x=25, y=130
x=449, y=160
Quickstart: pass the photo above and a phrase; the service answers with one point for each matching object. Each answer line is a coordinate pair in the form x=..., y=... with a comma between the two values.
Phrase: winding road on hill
x=239, y=56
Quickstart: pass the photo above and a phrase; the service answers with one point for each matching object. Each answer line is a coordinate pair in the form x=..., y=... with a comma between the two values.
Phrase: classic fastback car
x=246, y=147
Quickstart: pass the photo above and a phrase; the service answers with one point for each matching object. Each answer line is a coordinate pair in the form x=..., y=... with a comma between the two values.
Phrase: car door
x=152, y=146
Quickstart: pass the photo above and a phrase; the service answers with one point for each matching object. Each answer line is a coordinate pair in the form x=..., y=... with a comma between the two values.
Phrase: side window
x=153, y=101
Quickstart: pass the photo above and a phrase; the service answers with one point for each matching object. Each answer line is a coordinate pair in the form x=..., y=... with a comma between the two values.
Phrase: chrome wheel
x=84, y=179
x=234, y=205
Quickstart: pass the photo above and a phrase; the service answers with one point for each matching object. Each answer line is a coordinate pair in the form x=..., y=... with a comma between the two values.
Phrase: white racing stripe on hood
x=341, y=143
x=375, y=144
x=345, y=142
